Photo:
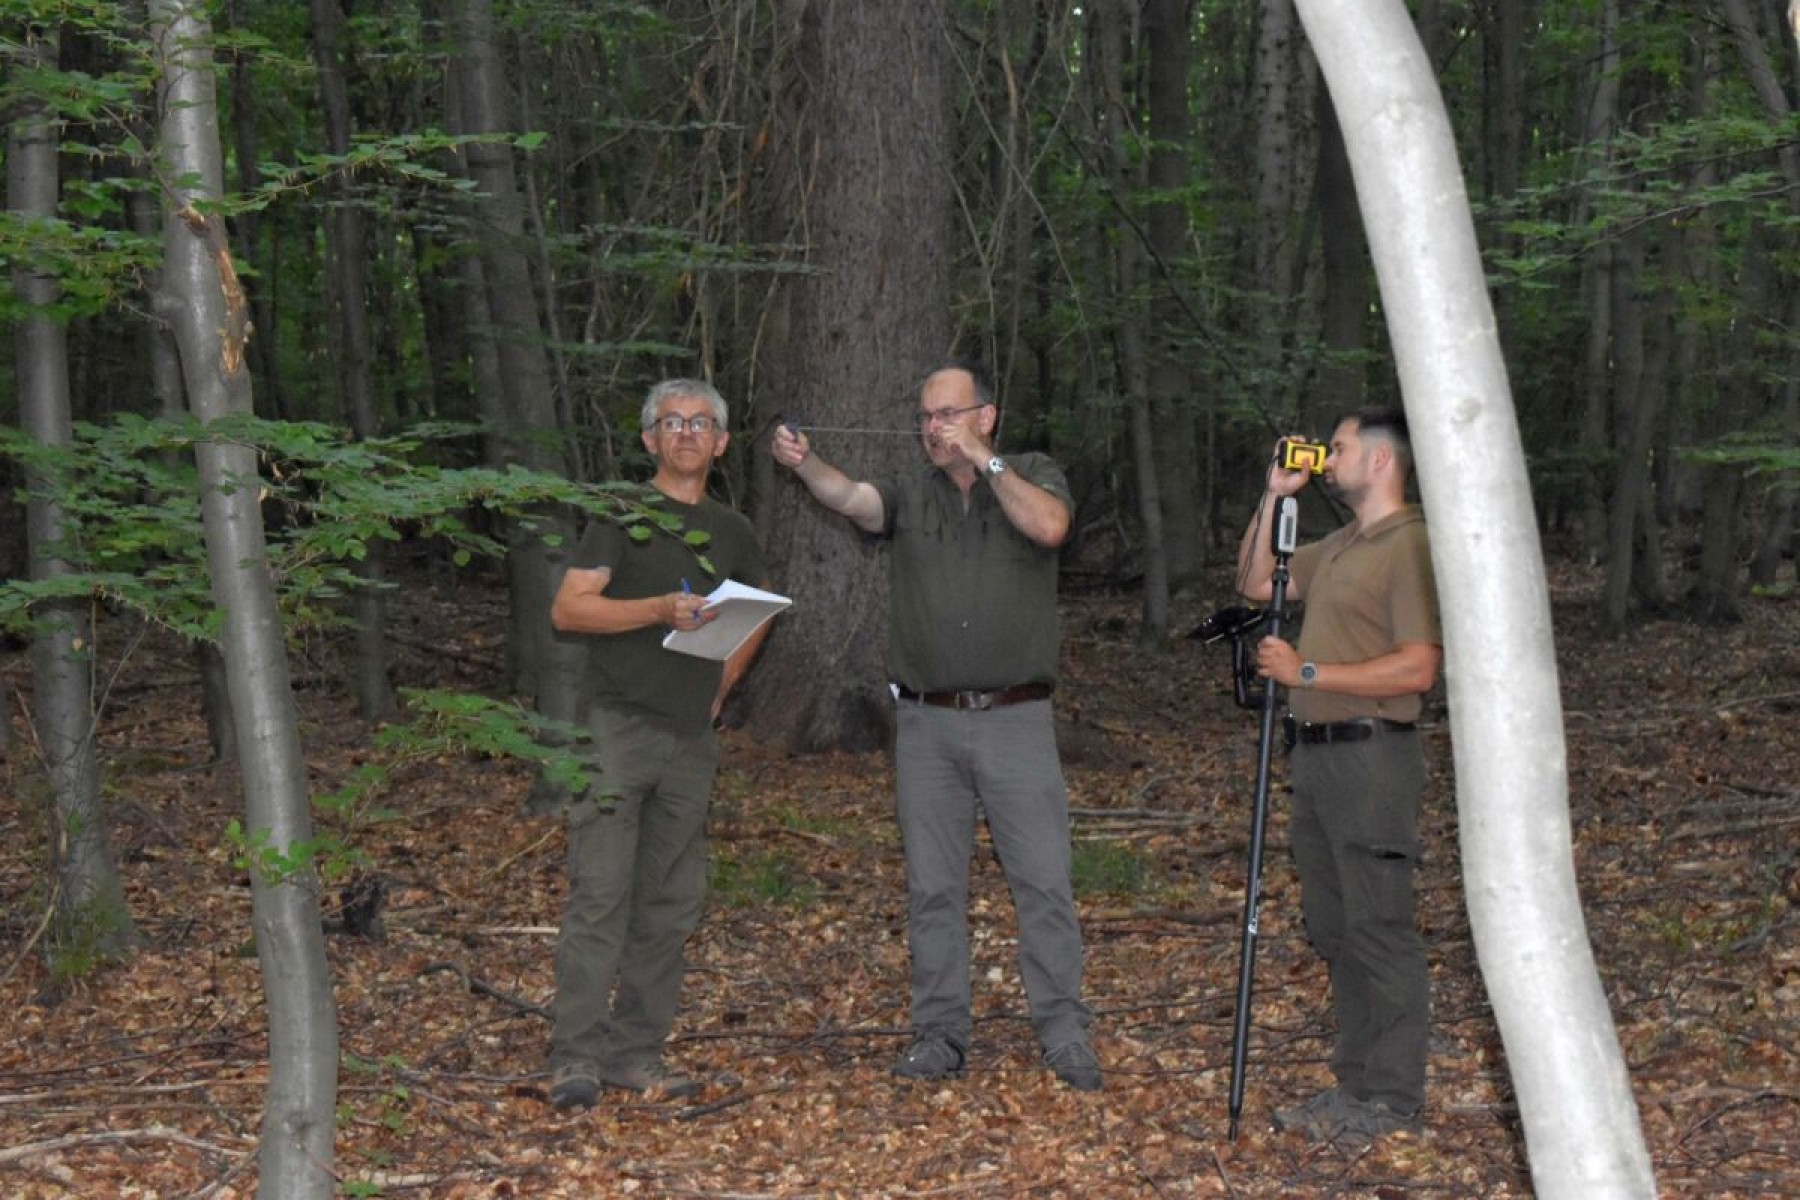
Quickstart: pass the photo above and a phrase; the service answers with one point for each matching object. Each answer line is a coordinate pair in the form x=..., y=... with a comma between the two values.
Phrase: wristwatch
x=996, y=466
x=1309, y=674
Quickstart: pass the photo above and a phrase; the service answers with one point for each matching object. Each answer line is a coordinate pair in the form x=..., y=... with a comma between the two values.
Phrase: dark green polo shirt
x=631, y=671
x=1366, y=591
x=971, y=600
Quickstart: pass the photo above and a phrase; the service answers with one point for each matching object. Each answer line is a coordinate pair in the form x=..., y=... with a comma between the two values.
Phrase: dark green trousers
x=1356, y=843
x=637, y=885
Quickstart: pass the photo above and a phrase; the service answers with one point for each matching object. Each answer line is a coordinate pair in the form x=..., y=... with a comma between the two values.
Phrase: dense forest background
x=309, y=300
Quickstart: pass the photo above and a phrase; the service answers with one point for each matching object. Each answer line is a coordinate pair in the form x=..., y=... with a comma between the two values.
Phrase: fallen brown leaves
x=146, y=1080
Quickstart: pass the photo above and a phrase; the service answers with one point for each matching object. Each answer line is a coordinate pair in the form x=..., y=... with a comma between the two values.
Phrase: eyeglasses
x=934, y=416
x=674, y=424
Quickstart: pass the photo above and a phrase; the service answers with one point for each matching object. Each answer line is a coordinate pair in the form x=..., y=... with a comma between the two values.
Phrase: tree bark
x=544, y=665
x=90, y=916
x=862, y=178
x=1345, y=315
x=1596, y=290
x=344, y=251
x=1176, y=404
x=1581, y=1123
x=210, y=319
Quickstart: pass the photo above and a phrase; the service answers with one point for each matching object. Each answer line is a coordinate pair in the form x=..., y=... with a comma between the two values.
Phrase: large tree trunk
x=209, y=314
x=1596, y=291
x=1345, y=315
x=344, y=250
x=865, y=181
x=1581, y=1123
x=90, y=917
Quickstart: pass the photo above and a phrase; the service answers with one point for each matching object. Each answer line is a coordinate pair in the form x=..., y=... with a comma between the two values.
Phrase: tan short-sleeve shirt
x=1366, y=592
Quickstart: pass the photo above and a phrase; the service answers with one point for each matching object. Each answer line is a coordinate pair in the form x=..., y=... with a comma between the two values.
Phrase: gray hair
x=695, y=388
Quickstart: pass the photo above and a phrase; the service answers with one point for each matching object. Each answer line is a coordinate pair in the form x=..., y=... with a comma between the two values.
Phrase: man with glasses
x=637, y=846
x=972, y=654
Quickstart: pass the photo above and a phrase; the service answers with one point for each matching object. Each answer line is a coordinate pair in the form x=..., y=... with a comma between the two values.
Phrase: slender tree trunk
x=209, y=313
x=1345, y=317
x=344, y=251
x=545, y=665
x=1108, y=43
x=1176, y=404
x=90, y=916
x=860, y=174
x=1636, y=423
x=1596, y=290
x=1581, y=1123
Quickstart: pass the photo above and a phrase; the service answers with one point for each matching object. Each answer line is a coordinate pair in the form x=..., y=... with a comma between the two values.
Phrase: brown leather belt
x=1309, y=734
x=977, y=701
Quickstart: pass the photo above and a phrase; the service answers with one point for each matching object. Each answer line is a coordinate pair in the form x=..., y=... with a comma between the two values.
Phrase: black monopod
x=1287, y=519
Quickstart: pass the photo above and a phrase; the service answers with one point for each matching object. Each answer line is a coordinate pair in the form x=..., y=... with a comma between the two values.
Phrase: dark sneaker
x=1367, y=1120
x=575, y=1085
x=931, y=1056
x=652, y=1080
x=1075, y=1064
x=1317, y=1118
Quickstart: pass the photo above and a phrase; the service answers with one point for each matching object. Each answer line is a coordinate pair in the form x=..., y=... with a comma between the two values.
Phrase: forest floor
x=147, y=1079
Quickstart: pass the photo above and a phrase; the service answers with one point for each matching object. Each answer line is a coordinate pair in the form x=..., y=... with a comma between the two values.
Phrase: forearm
x=1256, y=554
x=589, y=612
x=854, y=499
x=1408, y=670
x=1039, y=515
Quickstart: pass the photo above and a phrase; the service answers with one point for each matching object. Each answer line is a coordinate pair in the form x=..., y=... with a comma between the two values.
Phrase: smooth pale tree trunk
x=860, y=150
x=90, y=916
x=209, y=314
x=344, y=250
x=1581, y=1124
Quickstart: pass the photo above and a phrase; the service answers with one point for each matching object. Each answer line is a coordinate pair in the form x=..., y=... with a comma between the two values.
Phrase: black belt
x=977, y=701
x=1309, y=734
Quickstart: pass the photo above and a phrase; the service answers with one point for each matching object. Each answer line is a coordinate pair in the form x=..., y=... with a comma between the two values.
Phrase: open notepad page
x=741, y=611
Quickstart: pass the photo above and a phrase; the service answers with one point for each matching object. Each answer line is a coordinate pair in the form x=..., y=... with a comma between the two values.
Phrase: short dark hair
x=984, y=393
x=1388, y=424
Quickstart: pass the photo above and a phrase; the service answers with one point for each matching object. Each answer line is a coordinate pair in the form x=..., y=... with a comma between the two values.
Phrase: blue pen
x=685, y=589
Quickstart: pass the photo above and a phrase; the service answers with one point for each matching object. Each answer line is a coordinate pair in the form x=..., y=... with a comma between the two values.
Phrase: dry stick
x=43, y=924
x=513, y=858
x=482, y=988
x=151, y=1133
x=695, y=1111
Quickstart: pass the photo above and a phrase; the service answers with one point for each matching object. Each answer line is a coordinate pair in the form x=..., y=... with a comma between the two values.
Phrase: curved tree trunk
x=90, y=914
x=208, y=312
x=1581, y=1124
x=865, y=180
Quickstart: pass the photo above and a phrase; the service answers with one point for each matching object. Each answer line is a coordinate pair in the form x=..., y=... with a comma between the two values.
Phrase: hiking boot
x=1367, y=1120
x=575, y=1085
x=652, y=1080
x=1075, y=1064
x=1318, y=1118
x=931, y=1056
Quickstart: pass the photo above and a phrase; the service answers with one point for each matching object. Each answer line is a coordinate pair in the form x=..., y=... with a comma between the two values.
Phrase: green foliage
x=1109, y=867
x=760, y=877
x=133, y=536
x=84, y=938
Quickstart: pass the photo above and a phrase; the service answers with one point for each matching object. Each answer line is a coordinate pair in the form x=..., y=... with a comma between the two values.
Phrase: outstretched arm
x=854, y=498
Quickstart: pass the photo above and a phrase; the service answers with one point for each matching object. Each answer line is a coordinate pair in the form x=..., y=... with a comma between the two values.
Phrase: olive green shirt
x=631, y=671
x=971, y=600
x=1366, y=591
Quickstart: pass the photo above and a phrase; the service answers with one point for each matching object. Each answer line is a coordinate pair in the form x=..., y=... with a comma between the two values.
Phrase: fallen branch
x=696, y=1111
x=483, y=988
x=153, y=1133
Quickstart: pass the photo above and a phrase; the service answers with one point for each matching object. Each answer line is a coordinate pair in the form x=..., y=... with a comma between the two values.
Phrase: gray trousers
x=1356, y=844
x=944, y=760
x=637, y=884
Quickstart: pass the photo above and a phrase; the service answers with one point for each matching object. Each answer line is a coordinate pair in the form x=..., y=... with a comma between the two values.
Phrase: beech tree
x=207, y=309
x=89, y=915
x=1581, y=1124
